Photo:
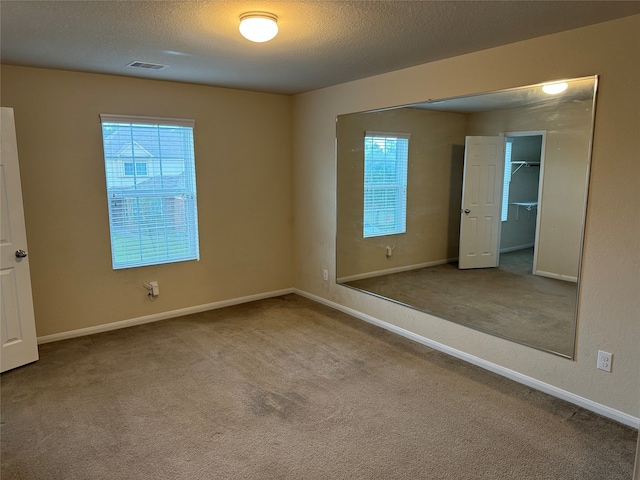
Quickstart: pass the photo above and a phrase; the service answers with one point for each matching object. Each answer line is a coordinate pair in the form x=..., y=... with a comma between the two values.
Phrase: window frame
x=160, y=209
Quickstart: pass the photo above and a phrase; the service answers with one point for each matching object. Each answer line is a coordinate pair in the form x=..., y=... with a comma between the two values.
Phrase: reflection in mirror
x=471, y=209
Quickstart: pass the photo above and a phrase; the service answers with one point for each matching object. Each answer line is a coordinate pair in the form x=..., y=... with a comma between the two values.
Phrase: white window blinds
x=385, y=183
x=507, y=179
x=151, y=190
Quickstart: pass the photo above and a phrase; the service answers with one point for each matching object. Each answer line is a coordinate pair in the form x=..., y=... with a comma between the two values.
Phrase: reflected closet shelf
x=521, y=164
x=527, y=205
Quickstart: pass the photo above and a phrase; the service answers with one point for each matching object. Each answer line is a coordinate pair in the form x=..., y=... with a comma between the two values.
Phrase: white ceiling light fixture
x=258, y=26
x=554, y=88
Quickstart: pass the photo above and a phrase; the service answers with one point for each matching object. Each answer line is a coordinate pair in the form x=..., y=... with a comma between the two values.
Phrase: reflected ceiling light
x=258, y=26
x=554, y=88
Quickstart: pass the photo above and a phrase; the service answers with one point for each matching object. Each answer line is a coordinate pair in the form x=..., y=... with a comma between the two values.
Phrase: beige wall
x=609, y=297
x=433, y=214
x=243, y=168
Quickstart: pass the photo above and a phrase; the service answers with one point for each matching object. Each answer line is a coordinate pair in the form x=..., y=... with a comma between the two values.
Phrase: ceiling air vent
x=147, y=65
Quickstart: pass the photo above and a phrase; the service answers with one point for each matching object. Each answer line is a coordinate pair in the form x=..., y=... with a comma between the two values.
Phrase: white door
x=19, y=343
x=481, y=202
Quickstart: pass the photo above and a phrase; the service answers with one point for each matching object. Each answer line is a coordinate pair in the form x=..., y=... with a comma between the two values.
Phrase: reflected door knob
x=467, y=211
x=21, y=254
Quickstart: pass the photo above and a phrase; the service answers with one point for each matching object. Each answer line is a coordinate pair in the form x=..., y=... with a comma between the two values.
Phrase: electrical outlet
x=155, y=289
x=325, y=274
x=604, y=361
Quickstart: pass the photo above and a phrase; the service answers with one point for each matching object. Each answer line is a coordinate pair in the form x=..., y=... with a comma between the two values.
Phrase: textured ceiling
x=321, y=43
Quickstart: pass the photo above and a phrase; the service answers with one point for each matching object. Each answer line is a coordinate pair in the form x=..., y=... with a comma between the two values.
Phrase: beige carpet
x=287, y=389
x=507, y=301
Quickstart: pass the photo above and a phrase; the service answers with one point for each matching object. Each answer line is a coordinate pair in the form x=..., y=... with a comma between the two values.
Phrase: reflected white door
x=481, y=202
x=19, y=343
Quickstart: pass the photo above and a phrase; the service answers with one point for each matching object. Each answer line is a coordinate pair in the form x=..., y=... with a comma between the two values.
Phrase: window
x=152, y=207
x=385, y=183
x=140, y=169
x=507, y=178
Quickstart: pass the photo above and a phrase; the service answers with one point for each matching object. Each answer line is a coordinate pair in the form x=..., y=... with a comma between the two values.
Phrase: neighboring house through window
x=385, y=183
x=151, y=190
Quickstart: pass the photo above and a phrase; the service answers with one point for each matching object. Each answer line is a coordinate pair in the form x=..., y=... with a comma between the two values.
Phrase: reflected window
x=385, y=183
x=507, y=178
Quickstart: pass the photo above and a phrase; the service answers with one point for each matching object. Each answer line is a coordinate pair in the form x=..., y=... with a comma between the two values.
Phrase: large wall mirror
x=472, y=208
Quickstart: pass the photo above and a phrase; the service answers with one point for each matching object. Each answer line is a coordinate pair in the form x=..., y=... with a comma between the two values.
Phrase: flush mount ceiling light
x=554, y=88
x=258, y=26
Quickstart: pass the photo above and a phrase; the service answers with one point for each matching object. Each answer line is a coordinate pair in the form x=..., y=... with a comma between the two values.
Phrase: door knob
x=467, y=211
x=21, y=254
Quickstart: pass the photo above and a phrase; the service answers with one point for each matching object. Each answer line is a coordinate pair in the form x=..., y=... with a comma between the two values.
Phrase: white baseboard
x=492, y=367
x=557, y=276
x=517, y=247
x=160, y=316
x=388, y=271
